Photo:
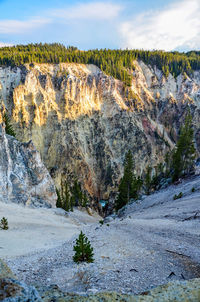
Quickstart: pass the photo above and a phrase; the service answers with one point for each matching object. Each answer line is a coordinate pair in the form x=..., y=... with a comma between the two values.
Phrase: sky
x=138, y=24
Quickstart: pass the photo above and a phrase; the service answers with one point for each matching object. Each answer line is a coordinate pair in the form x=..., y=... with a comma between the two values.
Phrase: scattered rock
x=108, y=219
x=12, y=290
x=181, y=291
x=5, y=271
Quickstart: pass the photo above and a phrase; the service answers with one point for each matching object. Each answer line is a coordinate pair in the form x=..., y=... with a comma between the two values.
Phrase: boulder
x=11, y=290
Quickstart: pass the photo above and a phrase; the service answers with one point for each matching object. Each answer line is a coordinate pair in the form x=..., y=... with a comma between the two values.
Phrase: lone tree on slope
x=83, y=250
x=4, y=224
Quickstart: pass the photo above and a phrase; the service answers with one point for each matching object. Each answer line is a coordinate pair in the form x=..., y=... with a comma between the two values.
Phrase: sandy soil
x=32, y=229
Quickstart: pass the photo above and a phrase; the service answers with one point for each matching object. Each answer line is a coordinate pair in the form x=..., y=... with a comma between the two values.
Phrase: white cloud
x=2, y=44
x=89, y=11
x=177, y=26
x=20, y=27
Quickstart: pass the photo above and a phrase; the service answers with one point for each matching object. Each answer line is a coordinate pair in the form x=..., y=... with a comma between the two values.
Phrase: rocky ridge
x=83, y=121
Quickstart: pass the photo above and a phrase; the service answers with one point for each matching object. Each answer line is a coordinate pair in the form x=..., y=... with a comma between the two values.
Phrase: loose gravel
x=154, y=241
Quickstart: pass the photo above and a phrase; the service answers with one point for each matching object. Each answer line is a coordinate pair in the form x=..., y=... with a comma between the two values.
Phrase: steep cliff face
x=83, y=121
x=23, y=177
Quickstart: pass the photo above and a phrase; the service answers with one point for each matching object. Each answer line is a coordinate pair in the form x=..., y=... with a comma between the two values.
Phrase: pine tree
x=77, y=193
x=184, y=153
x=4, y=224
x=59, y=201
x=129, y=185
x=83, y=250
x=72, y=203
x=147, y=180
x=167, y=164
x=9, y=128
x=84, y=201
x=66, y=197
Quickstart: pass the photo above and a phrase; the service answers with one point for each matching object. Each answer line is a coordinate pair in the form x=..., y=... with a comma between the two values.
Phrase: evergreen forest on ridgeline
x=116, y=63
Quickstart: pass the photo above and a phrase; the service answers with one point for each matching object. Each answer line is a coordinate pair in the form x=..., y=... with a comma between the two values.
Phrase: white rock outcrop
x=23, y=176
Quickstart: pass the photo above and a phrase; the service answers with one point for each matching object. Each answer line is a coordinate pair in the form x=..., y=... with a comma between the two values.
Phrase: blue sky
x=147, y=24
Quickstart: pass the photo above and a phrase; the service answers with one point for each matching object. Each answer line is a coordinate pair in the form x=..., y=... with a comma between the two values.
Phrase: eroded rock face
x=23, y=177
x=83, y=122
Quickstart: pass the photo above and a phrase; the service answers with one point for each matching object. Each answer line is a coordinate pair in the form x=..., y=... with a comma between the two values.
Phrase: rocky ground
x=154, y=241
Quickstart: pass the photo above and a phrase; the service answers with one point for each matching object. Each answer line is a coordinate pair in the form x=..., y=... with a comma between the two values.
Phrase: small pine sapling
x=4, y=224
x=180, y=195
x=83, y=250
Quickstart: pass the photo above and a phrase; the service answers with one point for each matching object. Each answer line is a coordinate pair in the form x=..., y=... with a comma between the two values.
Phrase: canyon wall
x=23, y=177
x=83, y=122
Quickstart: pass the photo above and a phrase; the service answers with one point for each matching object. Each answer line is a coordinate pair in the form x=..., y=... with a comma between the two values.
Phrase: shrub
x=83, y=250
x=101, y=222
x=8, y=126
x=4, y=224
x=180, y=195
x=193, y=189
x=84, y=277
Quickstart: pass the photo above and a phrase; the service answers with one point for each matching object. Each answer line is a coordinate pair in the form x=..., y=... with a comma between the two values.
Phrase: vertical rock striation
x=23, y=177
x=83, y=121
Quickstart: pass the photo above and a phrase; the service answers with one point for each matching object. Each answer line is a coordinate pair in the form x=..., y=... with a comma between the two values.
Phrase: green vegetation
x=83, y=250
x=180, y=195
x=117, y=63
x=101, y=222
x=130, y=185
x=68, y=197
x=184, y=153
x=154, y=176
x=148, y=180
x=8, y=126
x=193, y=190
x=179, y=162
x=4, y=224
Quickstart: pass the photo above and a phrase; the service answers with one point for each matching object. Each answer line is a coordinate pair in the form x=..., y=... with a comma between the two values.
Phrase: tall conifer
x=129, y=185
x=184, y=153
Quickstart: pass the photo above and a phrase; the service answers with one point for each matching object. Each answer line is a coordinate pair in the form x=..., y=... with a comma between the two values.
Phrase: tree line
x=117, y=63
x=178, y=163
x=72, y=196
